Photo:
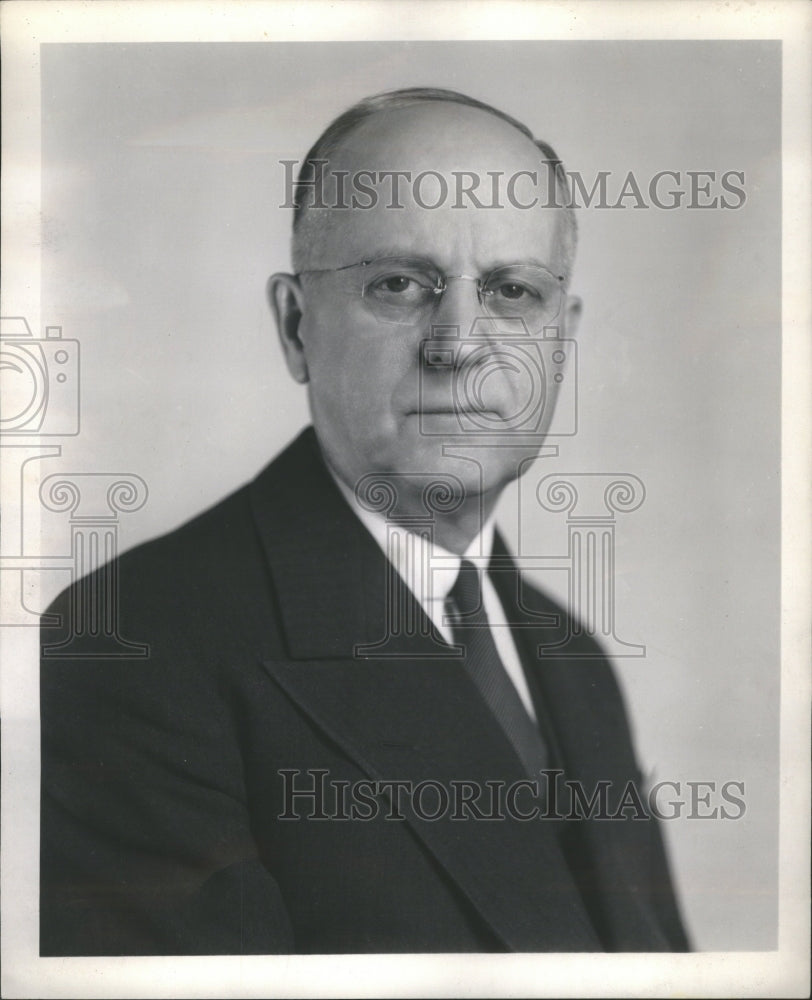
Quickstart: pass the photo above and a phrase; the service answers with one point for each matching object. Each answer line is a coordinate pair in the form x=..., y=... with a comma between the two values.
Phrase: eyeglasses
x=406, y=290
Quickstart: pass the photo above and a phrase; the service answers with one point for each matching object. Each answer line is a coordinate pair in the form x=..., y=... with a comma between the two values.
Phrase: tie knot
x=466, y=592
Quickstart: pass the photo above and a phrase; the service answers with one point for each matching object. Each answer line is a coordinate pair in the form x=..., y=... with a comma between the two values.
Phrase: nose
x=459, y=305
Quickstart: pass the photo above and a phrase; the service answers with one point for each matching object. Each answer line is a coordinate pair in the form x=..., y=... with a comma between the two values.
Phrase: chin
x=480, y=470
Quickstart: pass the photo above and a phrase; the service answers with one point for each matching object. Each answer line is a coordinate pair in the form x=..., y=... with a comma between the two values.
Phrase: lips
x=443, y=404
x=452, y=411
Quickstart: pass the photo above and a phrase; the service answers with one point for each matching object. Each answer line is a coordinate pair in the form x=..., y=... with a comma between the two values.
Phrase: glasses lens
x=523, y=291
x=400, y=290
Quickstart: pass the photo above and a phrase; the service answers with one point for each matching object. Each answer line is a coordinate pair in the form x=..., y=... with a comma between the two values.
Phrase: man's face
x=377, y=405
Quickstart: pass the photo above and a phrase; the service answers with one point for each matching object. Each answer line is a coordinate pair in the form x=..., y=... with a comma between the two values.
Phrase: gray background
x=161, y=188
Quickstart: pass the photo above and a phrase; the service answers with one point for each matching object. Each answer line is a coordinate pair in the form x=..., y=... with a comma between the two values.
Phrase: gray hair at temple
x=307, y=225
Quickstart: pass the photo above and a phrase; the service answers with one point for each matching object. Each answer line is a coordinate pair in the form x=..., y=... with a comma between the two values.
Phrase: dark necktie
x=471, y=629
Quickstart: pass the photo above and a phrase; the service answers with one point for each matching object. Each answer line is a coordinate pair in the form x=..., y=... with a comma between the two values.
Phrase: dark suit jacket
x=161, y=784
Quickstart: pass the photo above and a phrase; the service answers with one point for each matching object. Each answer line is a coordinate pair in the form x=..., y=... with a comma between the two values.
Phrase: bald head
x=433, y=150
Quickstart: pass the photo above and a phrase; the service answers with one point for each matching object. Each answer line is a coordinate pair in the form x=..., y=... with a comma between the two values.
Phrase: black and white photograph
x=405, y=499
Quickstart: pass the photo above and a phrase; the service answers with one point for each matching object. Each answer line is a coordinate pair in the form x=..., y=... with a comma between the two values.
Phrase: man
x=343, y=645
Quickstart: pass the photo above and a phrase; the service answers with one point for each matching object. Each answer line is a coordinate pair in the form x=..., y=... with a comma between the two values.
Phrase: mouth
x=454, y=411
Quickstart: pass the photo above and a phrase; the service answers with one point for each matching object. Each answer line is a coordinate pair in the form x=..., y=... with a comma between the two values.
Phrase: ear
x=286, y=300
x=571, y=317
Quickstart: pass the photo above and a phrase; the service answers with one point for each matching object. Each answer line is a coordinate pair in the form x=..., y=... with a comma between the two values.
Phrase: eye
x=400, y=288
x=514, y=290
x=396, y=283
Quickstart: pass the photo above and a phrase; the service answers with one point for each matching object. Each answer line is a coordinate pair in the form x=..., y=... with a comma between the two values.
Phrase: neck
x=452, y=530
x=455, y=532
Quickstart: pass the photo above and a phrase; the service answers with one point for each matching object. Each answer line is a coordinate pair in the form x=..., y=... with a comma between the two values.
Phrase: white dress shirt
x=432, y=589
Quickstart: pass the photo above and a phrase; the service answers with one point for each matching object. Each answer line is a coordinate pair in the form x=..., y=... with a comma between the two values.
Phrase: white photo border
x=784, y=972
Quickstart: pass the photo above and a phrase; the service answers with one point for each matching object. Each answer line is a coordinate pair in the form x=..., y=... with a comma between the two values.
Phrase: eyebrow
x=524, y=260
x=393, y=251
x=387, y=252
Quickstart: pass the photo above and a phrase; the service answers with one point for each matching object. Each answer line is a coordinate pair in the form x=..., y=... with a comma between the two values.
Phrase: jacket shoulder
x=180, y=591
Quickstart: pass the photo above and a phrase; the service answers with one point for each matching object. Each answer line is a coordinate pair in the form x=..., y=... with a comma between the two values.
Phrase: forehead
x=441, y=151
x=436, y=134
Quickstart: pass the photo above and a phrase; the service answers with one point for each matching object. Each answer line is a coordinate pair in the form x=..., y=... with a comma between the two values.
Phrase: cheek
x=351, y=386
x=353, y=364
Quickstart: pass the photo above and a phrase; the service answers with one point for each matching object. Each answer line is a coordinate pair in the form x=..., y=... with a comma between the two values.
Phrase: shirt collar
x=428, y=569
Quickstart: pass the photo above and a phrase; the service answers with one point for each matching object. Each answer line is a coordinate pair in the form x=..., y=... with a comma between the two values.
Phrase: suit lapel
x=423, y=720
x=582, y=712
x=412, y=715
